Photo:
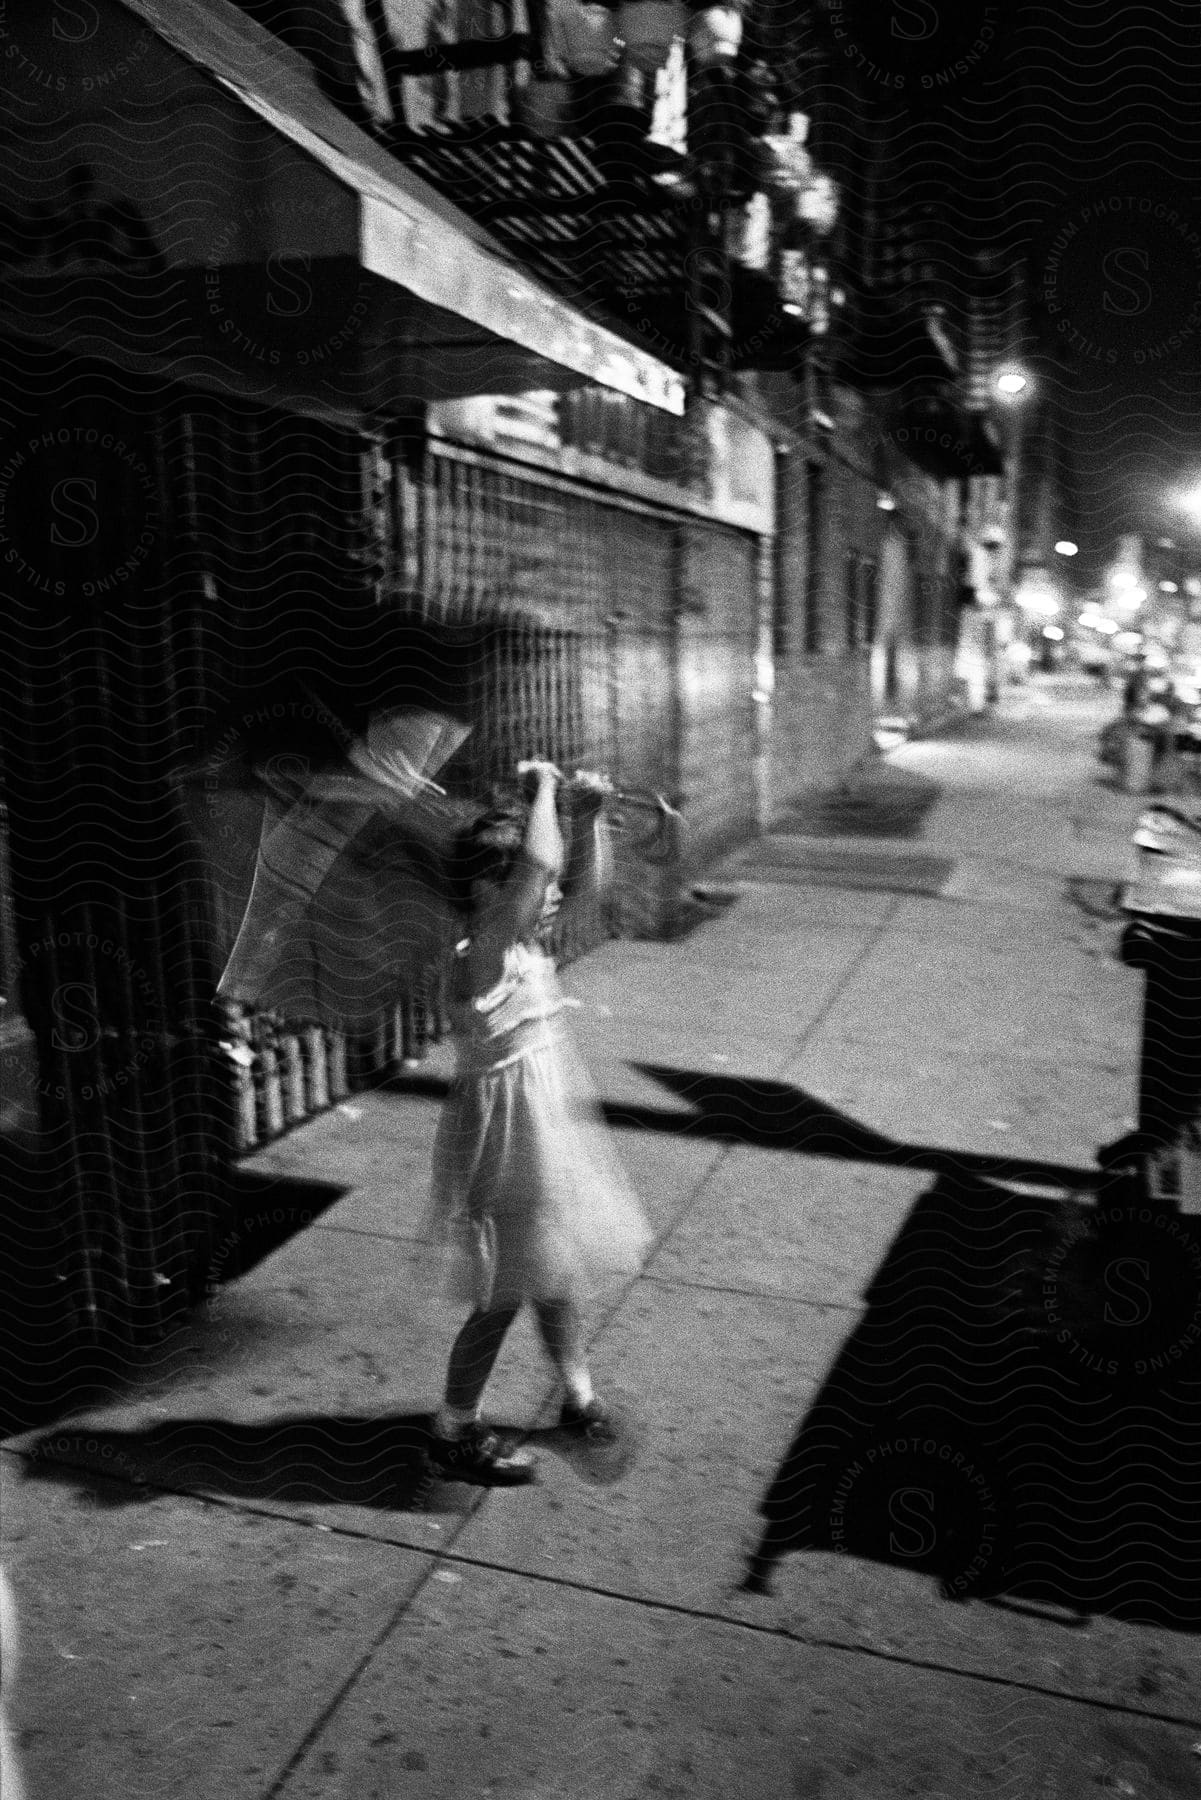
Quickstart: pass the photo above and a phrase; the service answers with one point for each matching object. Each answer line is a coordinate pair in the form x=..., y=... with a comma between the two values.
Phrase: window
x=853, y=566
x=815, y=505
x=870, y=577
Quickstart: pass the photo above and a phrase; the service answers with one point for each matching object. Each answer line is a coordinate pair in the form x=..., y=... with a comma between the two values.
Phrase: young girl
x=523, y=1175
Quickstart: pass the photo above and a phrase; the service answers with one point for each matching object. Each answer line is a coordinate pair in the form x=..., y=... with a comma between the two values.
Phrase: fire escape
x=646, y=159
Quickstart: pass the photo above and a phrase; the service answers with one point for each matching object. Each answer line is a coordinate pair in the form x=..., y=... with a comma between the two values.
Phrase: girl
x=523, y=1175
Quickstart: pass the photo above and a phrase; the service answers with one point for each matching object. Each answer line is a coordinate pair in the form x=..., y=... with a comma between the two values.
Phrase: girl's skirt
x=527, y=1189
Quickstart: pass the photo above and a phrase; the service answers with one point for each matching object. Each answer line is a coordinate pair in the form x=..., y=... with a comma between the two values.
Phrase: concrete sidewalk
x=862, y=1106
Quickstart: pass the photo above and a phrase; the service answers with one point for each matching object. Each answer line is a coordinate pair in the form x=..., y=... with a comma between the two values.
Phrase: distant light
x=790, y=306
x=1012, y=382
x=1108, y=626
x=889, y=734
x=1065, y=547
x=1165, y=543
x=823, y=419
x=886, y=503
x=1055, y=632
x=1035, y=594
x=1168, y=587
x=1123, y=578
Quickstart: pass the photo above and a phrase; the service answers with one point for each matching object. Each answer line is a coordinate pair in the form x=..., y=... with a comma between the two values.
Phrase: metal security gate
x=117, y=1188
x=162, y=543
x=580, y=593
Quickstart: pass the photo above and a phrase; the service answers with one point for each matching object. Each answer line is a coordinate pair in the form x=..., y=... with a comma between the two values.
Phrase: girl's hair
x=485, y=850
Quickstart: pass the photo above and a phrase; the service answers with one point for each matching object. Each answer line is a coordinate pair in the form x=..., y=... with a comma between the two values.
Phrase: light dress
x=526, y=1186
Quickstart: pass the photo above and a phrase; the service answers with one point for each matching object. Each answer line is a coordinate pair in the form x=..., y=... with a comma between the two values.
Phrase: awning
x=445, y=312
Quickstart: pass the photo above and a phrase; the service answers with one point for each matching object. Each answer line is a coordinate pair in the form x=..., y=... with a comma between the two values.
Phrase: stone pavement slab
x=798, y=1227
x=499, y=1686
x=172, y=1647
x=1002, y=1102
x=304, y=1390
x=993, y=926
x=1045, y=997
x=712, y=1379
x=677, y=1528
x=716, y=982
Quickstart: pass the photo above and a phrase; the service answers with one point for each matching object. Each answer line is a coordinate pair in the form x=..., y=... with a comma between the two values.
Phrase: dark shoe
x=594, y=1424
x=479, y=1456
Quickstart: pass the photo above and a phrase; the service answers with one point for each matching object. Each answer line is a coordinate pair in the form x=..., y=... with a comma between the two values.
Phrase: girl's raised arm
x=516, y=910
x=590, y=860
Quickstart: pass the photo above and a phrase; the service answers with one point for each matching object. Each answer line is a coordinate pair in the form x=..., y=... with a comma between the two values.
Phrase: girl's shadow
x=318, y=1460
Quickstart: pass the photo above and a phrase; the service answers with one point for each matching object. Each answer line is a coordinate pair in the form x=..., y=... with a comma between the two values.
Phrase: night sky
x=1066, y=138
x=1106, y=186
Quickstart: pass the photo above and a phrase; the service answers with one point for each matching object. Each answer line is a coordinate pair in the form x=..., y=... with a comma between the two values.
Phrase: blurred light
x=1012, y=381
x=886, y=503
x=1036, y=595
x=818, y=204
x=1168, y=587
x=1193, y=585
x=890, y=733
x=1128, y=640
x=1065, y=547
x=1054, y=632
x=1123, y=578
x=1108, y=626
x=714, y=36
x=791, y=307
x=1021, y=653
x=1189, y=501
x=1165, y=544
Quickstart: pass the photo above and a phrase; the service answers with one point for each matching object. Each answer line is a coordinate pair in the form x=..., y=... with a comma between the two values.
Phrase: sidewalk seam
x=651, y=1603
x=796, y=1048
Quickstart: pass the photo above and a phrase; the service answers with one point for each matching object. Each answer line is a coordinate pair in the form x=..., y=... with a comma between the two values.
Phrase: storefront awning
x=444, y=311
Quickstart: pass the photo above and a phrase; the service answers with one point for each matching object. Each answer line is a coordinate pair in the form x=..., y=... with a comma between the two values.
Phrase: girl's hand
x=540, y=773
x=588, y=792
x=539, y=778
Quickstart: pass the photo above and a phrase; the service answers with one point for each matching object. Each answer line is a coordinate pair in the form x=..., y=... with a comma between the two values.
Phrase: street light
x=1012, y=382
x=1189, y=501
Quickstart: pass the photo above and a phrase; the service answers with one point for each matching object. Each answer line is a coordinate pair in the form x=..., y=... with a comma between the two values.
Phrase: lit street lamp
x=1189, y=501
x=1012, y=382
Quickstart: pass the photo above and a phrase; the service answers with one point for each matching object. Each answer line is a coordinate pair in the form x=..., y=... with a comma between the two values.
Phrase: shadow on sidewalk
x=742, y=1109
x=49, y=1364
x=1018, y=1414
x=776, y=1116
x=321, y=1459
